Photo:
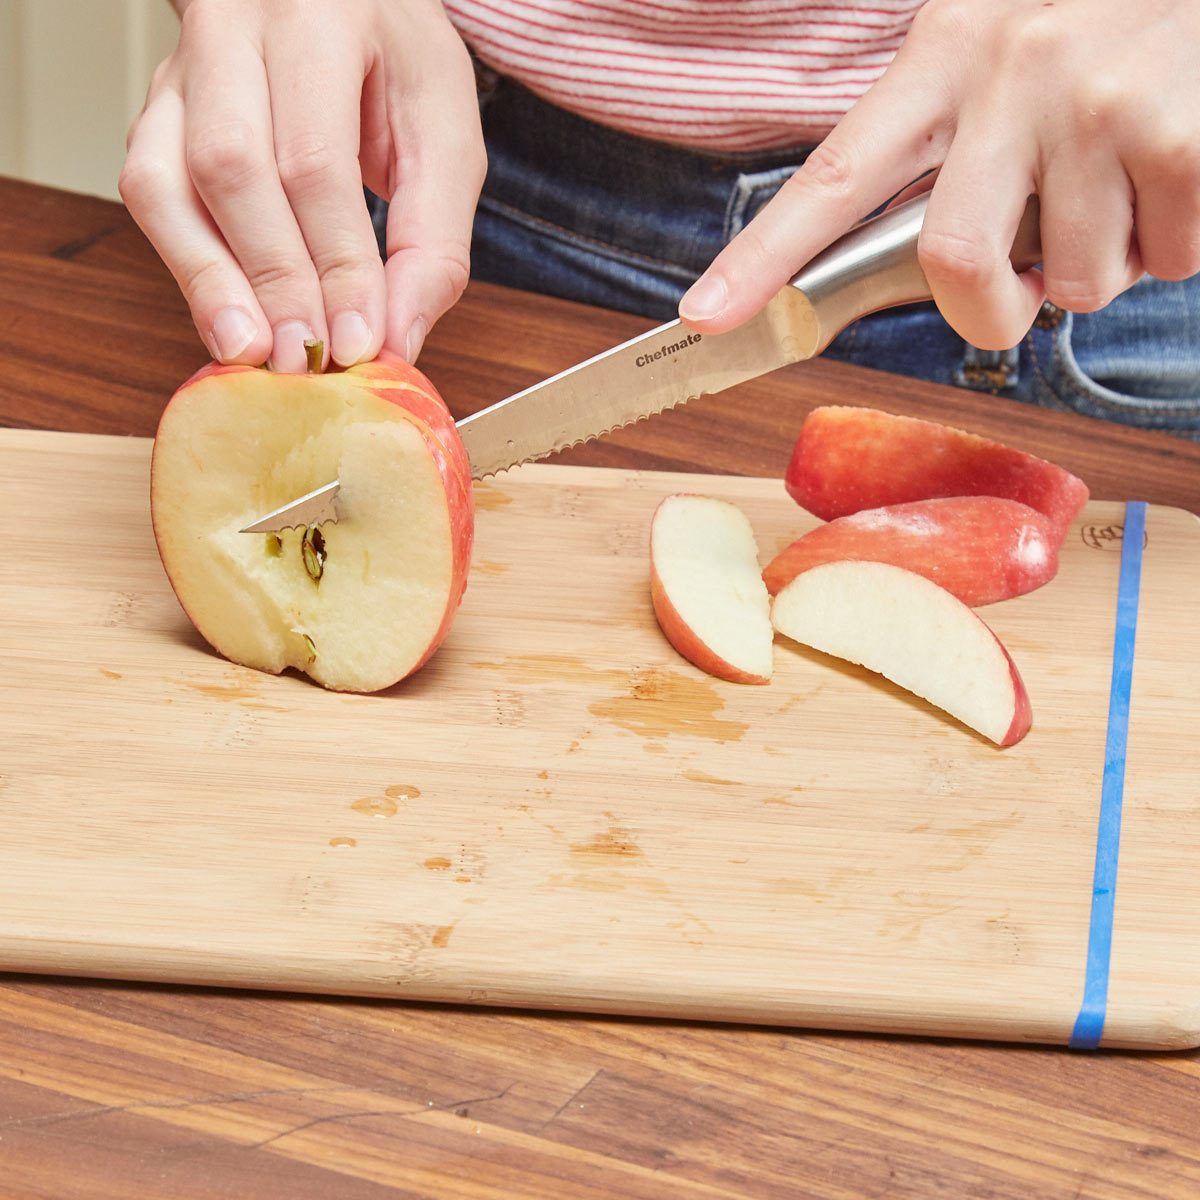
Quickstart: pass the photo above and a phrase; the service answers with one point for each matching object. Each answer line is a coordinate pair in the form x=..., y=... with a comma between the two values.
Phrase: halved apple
x=916, y=634
x=707, y=591
x=980, y=548
x=848, y=459
x=357, y=604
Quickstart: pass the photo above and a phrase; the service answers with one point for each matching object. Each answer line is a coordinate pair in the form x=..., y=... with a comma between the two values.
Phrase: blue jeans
x=572, y=209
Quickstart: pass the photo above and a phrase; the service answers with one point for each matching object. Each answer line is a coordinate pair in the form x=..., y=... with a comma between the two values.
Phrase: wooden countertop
x=135, y=1091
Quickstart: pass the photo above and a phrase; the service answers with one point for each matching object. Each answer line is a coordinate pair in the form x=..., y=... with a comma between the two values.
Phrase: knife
x=872, y=267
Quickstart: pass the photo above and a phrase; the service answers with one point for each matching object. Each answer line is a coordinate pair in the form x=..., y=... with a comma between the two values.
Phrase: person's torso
x=716, y=75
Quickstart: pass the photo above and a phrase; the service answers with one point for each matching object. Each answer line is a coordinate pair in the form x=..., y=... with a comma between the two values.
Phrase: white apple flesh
x=358, y=603
x=913, y=632
x=707, y=591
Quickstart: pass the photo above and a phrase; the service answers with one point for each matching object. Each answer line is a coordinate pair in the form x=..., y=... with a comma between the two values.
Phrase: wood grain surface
x=624, y=834
x=133, y=1091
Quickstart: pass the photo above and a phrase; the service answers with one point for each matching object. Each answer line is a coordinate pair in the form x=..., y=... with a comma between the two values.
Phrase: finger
x=965, y=241
x=1087, y=230
x=315, y=116
x=1166, y=180
x=159, y=194
x=896, y=131
x=162, y=78
x=375, y=142
x=432, y=208
x=231, y=161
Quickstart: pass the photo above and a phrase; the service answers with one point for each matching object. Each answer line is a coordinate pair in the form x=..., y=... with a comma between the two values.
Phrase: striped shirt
x=718, y=75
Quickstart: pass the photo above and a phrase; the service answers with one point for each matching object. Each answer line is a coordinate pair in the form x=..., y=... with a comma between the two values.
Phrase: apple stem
x=314, y=351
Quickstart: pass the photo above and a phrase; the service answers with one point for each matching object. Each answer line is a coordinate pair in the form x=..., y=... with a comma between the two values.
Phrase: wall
x=73, y=75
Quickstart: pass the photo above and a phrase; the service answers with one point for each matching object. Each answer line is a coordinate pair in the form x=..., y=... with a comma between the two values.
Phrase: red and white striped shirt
x=719, y=75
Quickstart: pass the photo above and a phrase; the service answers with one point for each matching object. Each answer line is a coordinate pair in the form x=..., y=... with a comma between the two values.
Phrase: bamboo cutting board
x=559, y=812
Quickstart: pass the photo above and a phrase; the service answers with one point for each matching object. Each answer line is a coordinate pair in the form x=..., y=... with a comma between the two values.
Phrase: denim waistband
x=662, y=202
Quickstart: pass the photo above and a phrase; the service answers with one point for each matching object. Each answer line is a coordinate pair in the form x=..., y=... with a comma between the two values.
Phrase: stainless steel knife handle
x=875, y=266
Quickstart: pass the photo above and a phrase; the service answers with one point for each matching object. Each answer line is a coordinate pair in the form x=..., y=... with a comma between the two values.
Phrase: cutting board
x=559, y=812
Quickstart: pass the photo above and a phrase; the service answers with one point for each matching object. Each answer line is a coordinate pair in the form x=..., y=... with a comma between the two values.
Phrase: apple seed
x=312, y=650
x=274, y=545
x=312, y=550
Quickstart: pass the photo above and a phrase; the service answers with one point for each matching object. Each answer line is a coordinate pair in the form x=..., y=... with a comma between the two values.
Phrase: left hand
x=1093, y=105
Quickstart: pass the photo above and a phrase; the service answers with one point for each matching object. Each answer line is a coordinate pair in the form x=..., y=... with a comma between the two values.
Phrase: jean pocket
x=748, y=195
x=1080, y=377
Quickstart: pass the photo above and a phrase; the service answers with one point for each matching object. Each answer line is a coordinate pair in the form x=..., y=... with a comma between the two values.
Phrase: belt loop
x=992, y=371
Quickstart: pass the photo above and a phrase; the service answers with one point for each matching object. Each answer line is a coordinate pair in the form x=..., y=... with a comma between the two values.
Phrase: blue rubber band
x=1089, y=1025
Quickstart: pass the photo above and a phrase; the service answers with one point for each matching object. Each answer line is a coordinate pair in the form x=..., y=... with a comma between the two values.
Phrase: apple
x=848, y=459
x=707, y=589
x=906, y=628
x=980, y=548
x=357, y=604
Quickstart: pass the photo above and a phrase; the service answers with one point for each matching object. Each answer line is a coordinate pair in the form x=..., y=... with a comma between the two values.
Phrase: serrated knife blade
x=655, y=371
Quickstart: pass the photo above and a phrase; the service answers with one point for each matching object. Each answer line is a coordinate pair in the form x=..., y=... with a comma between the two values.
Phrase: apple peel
x=707, y=590
x=980, y=548
x=357, y=604
x=847, y=459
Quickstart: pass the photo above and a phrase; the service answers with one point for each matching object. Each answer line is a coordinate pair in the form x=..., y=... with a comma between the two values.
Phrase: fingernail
x=704, y=299
x=288, y=354
x=351, y=338
x=416, y=339
x=233, y=329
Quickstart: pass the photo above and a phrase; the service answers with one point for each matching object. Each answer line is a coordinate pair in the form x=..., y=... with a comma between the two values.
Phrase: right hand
x=246, y=165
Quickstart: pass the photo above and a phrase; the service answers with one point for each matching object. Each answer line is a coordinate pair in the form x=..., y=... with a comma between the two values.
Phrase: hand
x=1093, y=105
x=245, y=170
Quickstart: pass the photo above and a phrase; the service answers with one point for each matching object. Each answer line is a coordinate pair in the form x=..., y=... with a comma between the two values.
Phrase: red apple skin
x=680, y=635
x=397, y=381
x=1022, y=720
x=847, y=459
x=980, y=548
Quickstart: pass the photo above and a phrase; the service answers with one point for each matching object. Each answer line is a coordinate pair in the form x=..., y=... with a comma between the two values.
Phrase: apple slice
x=358, y=603
x=708, y=594
x=980, y=548
x=848, y=459
x=914, y=633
